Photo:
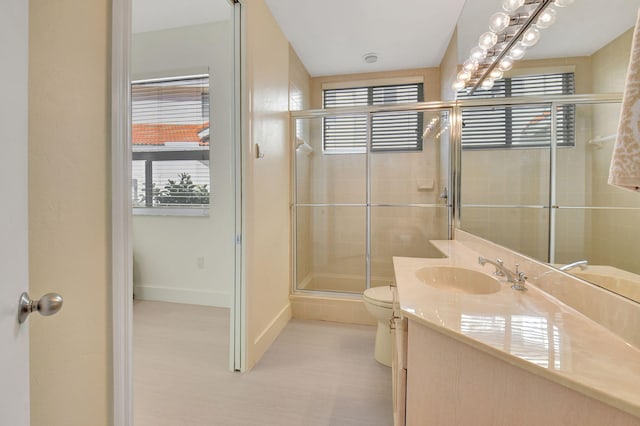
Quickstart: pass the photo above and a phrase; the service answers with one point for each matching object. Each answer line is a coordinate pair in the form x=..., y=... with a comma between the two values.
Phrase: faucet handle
x=499, y=272
x=520, y=275
x=520, y=280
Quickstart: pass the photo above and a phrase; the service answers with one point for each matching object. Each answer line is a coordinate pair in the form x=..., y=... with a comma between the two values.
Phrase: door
x=14, y=264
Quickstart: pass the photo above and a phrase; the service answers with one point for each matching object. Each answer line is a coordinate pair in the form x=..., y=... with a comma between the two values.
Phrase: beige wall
x=580, y=65
x=167, y=249
x=69, y=218
x=299, y=83
x=449, y=69
x=430, y=76
x=610, y=64
x=267, y=181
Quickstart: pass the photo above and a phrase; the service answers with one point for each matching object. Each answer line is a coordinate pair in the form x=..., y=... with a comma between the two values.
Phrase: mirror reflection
x=561, y=211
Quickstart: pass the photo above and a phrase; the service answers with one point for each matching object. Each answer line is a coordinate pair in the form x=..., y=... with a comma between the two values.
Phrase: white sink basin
x=458, y=280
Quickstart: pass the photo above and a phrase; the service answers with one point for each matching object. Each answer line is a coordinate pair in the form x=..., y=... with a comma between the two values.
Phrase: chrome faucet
x=517, y=279
x=582, y=264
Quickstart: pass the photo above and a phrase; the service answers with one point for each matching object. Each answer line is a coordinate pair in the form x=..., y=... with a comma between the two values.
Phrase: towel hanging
x=625, y=162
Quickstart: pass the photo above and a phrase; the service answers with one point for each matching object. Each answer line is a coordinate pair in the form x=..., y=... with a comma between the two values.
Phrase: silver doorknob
x=48, y=304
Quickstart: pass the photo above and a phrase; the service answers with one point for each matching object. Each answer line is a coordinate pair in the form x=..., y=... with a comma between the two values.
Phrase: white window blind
x=170, y=138
x=521, y=125
x=396, y=131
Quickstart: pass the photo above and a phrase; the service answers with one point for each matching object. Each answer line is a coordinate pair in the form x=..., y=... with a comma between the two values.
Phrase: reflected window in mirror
x=526, y=126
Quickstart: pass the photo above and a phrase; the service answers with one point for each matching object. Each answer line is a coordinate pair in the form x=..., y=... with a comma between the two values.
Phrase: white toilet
x=379, y=303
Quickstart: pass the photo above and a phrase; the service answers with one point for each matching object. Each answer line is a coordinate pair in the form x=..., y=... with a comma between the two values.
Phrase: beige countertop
x=531, y=330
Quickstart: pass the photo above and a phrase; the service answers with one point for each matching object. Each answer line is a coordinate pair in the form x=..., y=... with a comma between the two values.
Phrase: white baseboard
x=181, y=295
x=268, y=335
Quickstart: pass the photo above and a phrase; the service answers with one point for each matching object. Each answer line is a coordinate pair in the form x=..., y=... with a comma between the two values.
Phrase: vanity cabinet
x=449, y=382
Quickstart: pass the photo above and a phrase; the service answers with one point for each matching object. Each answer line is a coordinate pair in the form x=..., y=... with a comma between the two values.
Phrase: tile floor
x=316, y=373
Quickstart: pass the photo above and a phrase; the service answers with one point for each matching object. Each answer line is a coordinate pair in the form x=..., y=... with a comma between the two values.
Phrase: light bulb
x=487, y=84
x=546, y=18
x=478, y=53
x=517, y=51
x=487, y=40
x=496, y=74
x=511, y=5
x=470, y=65
x=458, y=85
x=499, y=22
x=505, y=64
x=531, y=37
x=563, y=3
x=464, y=75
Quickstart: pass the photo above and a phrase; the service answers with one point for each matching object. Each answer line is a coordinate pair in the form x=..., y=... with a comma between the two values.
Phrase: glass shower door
x=409, y=174
x=330, y=206
x=368, y=187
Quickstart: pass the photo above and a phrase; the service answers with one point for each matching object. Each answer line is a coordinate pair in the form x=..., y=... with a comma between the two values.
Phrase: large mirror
x=555, y=205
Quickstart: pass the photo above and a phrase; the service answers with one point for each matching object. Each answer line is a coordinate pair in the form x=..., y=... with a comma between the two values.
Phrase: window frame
x=154, y=156
x=371, y=86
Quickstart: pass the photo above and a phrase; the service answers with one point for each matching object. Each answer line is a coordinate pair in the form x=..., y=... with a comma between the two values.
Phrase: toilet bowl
x=379, y=303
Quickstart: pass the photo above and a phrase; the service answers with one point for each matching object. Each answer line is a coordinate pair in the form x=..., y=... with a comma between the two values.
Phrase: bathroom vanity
x=484, y=353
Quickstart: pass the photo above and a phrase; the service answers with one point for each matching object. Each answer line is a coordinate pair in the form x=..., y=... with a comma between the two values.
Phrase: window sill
x=171, y=211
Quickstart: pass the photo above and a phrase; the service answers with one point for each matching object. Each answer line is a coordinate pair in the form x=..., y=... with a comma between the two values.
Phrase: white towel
x=625, y=162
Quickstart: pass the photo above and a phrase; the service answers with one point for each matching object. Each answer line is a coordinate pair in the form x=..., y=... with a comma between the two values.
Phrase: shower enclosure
x=379, y=192
x=369, y=184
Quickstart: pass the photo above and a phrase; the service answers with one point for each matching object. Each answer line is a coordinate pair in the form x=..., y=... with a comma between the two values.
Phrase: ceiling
x=332, y=36
x=580, y=29
x=154, y=15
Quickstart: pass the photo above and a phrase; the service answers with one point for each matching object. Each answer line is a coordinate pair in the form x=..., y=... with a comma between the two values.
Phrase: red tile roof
x=159, y=134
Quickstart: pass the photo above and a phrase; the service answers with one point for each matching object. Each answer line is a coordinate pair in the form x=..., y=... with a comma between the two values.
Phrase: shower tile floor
x=316, y=373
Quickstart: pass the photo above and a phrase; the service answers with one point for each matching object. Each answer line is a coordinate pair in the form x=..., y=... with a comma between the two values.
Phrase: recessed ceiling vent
x=370, y=58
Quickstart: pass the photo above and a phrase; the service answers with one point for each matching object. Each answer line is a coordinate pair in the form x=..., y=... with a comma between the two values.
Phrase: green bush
x=182, y=192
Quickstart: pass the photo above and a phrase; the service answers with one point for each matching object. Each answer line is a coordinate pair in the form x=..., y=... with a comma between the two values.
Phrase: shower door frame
x=421, y=107
x=553, y=102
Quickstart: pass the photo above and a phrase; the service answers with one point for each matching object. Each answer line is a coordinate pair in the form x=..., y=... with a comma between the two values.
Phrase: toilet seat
x=380, y=296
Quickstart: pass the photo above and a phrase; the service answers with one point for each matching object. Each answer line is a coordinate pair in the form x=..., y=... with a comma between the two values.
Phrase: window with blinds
x=394, y=131
x=519, y=126
x=170, y=139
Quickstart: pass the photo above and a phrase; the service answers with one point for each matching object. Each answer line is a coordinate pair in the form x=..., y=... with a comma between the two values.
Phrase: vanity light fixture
x=512, y=31
x=530, y=37
x=512, y=5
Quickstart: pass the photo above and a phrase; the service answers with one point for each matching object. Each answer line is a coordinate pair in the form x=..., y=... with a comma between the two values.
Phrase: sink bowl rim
x=458, y=279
